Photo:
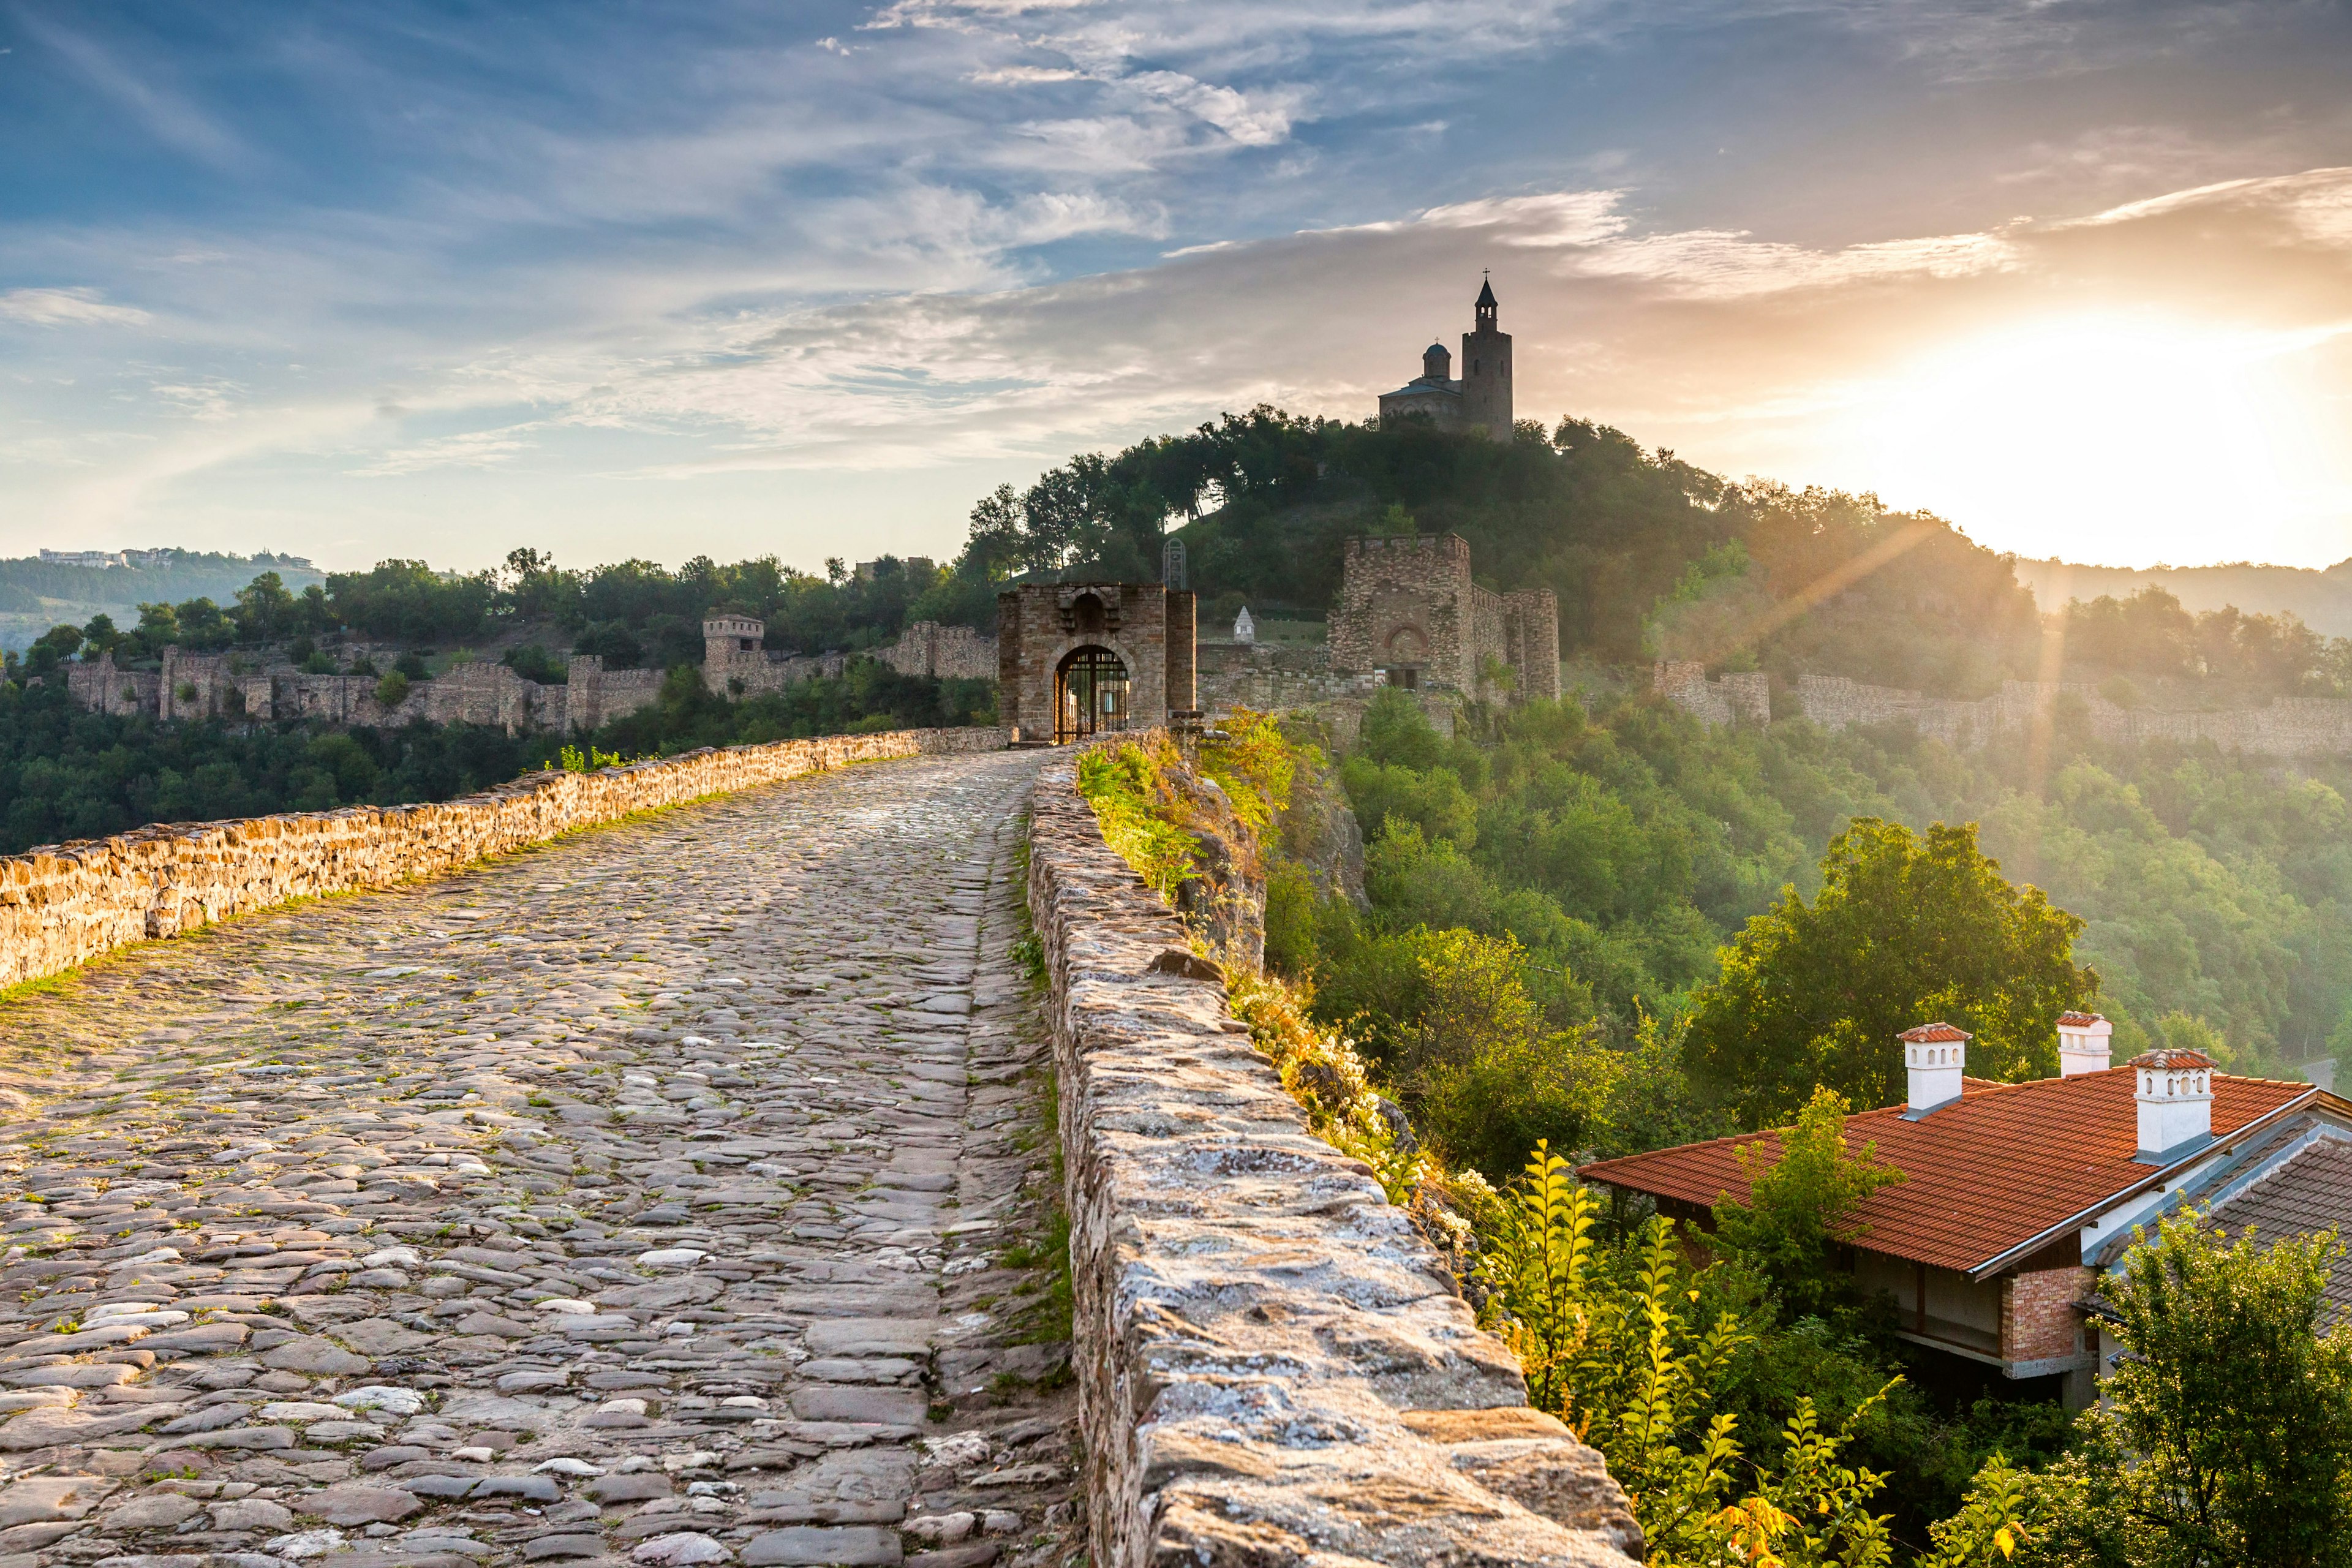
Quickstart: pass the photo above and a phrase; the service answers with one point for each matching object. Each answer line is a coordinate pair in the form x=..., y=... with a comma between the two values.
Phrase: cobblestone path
x=676, y=1193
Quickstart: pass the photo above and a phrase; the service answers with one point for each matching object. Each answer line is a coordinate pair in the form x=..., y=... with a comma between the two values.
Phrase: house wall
x=1962, y=1313
x=2040, y=1321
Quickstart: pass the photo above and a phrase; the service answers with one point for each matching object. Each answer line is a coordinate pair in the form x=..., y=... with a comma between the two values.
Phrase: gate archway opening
x=1089, y=694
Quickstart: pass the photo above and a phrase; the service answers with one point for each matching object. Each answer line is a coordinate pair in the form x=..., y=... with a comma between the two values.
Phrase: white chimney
x=2175, y=1096
x=1936, y=1054
x=2084, y=1040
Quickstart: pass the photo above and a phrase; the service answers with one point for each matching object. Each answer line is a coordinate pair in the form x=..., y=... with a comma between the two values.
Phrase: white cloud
x=472, y=450
x=67, y=308
x=1023, y=76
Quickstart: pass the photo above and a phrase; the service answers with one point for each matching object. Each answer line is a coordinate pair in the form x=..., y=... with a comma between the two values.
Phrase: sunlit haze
x=621, y=281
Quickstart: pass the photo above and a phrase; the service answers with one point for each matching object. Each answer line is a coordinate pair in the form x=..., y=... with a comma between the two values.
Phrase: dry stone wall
x=1272, y=1365
x=63, y=905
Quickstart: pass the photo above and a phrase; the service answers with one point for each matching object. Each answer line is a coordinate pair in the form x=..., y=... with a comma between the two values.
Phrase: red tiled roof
x=1984, y=1173
x=1933, y=1035
x=2166, y=1061
x=2079, y=1020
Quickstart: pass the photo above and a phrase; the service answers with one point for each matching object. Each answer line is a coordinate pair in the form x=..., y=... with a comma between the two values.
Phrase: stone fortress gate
x=1078, y=659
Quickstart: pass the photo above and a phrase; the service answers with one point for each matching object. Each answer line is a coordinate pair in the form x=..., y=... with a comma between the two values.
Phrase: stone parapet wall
x=63, y=905
x=1272, y=1365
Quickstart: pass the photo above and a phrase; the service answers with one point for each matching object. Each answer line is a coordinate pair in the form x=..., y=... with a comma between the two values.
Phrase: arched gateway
x=1078, y=659
x=1090, y=695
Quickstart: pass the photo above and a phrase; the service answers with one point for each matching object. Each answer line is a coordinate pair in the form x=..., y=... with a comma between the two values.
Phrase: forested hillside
x=36, y=594
x=1618, y=842
x=1616, y=849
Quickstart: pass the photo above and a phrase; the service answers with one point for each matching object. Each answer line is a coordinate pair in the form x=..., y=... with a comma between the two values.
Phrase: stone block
x=813, y=1546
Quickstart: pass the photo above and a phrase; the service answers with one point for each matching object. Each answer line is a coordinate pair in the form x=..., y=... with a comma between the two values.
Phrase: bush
x=610, y=641
x=533, y=662
x=392, y=691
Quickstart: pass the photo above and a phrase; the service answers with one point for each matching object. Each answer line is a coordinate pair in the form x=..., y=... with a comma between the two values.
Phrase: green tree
x=265, y=611
x=1801, y=1193
x=2226, y=1435
x=1907, y=927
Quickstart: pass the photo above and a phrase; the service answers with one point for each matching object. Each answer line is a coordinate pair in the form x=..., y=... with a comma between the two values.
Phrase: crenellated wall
x=64, y=904
x=1272, y=1365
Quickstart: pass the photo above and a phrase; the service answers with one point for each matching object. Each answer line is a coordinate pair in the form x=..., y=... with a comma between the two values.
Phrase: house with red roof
x=2017, y=1197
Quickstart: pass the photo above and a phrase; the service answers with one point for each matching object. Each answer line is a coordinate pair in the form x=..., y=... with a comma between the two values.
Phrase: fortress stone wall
x=948, y=653
x=1266, y=678
x=2286, y=727
x=1741, y=697
x=64, y=904
x=216, y=685
x=1272, y=1365
x=230, y=685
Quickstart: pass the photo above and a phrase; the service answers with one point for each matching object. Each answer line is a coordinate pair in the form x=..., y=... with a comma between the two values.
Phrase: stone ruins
x=219, y=685
x=2286, y=727
x=1074, y=659
x=735, y=664
x=1070, y=659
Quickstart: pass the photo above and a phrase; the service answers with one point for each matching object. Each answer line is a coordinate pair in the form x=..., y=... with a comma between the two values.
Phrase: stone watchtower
x=1487, y=370
x=1409, y=612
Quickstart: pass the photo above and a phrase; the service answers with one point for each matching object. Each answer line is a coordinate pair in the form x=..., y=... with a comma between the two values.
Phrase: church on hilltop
x=1480, y=399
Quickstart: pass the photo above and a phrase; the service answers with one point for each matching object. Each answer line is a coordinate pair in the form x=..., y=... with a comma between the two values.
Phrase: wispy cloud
x=140, y=88
x=67, y=308
x=941, y=235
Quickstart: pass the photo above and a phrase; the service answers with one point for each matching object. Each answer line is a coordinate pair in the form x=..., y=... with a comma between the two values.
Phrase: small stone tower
x=1487, y=370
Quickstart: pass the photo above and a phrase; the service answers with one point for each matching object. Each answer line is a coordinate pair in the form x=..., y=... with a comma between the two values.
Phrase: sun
x=2105, y=438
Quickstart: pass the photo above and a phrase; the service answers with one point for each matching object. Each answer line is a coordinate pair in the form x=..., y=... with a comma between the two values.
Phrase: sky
x=808, y=279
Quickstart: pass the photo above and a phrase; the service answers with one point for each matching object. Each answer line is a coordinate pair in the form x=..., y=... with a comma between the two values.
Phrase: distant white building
x=82, y=558
x=1244, y=628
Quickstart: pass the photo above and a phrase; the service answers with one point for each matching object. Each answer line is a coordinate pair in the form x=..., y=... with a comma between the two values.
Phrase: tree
x=1907, y=929
x=2226, y=1435
x=265, y=610
x=1800, y=1201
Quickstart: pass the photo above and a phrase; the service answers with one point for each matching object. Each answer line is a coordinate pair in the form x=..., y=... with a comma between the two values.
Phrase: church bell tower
x=1487, y=370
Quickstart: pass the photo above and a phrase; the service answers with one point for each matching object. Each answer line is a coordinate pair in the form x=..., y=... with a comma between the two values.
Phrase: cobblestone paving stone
x=657, y=1196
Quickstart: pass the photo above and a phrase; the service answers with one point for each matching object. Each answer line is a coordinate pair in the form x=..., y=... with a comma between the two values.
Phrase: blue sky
x=651, y=279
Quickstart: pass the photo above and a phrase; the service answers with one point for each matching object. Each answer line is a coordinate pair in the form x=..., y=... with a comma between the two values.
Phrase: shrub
x=392, y=691
x=1802, y=1189
x=1123, y=786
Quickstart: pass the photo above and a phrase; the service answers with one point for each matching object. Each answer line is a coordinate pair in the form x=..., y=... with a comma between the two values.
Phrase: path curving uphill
x=652, y=1195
